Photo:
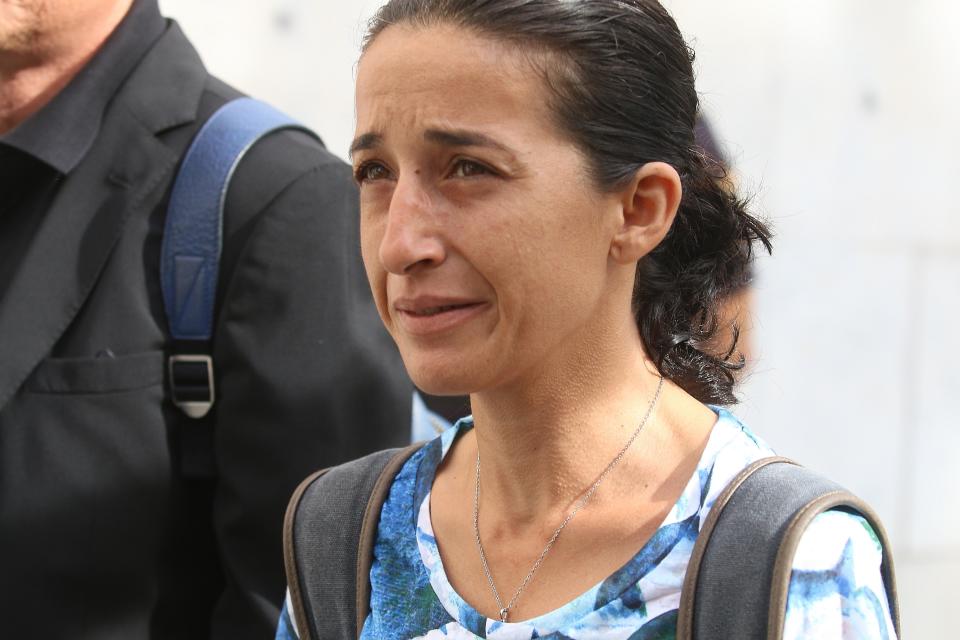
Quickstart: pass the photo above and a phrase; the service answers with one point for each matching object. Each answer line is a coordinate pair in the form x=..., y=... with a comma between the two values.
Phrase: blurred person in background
x=107, y=528
x=541, y=231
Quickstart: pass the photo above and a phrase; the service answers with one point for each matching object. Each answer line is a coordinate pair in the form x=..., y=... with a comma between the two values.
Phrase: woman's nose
x=411, y=241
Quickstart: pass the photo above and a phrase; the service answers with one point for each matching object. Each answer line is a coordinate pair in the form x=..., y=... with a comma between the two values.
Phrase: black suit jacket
x=101, y=536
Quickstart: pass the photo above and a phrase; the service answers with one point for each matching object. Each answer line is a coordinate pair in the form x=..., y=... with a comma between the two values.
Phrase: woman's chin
x=443, y=379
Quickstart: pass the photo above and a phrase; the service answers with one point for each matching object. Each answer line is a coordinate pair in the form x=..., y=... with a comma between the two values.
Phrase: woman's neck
x=542, y=442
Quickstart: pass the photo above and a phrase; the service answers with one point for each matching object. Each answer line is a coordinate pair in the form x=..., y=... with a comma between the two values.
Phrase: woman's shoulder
x=414, y=479
x=837, y=537
x=836, y=584
x=732, y=447
x=836, y=581
x=731, y=436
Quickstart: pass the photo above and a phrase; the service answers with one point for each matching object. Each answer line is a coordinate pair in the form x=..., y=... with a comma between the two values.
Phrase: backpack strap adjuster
x=191, y=383
x=193, y=238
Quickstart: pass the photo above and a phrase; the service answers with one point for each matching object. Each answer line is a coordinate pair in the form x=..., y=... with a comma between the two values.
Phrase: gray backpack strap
x=328, y=536
x=739, y=574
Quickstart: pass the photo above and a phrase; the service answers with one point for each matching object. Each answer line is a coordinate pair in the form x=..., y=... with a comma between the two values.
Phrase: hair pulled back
x=622, y=87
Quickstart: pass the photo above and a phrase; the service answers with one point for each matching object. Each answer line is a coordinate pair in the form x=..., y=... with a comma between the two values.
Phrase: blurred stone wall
x=840, y=116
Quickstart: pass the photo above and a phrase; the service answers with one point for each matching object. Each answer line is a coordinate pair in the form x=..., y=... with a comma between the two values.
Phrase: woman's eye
x=469, y=168
x=370, y=171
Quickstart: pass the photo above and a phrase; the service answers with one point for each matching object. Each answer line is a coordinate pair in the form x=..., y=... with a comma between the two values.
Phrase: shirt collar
x=62, y=132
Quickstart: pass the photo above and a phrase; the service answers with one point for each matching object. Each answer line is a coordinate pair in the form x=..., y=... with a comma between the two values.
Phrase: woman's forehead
x=445, y=74
x=421, y=44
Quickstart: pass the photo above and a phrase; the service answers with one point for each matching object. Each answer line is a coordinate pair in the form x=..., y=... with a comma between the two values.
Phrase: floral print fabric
x=836, y=590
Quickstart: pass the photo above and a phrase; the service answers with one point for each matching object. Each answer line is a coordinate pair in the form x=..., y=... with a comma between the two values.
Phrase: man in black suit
x=112, y=523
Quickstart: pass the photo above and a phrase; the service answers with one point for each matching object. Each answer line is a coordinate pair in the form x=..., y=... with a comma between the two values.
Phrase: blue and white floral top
x=836, y=589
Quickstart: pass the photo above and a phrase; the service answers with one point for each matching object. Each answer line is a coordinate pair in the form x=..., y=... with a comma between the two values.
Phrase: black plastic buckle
x=191, y=383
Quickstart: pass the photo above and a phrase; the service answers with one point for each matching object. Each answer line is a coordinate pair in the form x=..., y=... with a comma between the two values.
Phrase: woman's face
x=486, y=244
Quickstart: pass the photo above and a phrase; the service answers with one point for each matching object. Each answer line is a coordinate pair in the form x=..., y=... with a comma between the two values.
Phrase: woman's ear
x=650, y=201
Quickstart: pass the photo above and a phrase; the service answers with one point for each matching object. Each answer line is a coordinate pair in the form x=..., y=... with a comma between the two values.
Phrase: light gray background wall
x=839, y=115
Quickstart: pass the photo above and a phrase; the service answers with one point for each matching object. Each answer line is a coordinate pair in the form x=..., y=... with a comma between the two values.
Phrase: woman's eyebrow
x=364, y=142
x=444, y=137
x=463, y=138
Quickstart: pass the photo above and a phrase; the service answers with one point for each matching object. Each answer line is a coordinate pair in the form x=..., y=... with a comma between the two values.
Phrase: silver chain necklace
x=505, y=610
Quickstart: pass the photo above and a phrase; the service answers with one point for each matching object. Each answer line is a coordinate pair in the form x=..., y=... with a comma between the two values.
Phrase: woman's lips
x=426, y=316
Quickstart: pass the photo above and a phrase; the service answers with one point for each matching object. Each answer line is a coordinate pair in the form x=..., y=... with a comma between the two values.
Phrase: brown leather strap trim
x=368, y=531
x=290, y=557
x=688, y=593
x=783, y=567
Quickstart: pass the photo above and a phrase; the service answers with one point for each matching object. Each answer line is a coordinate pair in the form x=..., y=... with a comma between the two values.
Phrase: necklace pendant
x=504, y=613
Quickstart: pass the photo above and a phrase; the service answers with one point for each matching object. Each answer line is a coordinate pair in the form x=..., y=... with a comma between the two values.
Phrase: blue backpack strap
x=192, y=241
